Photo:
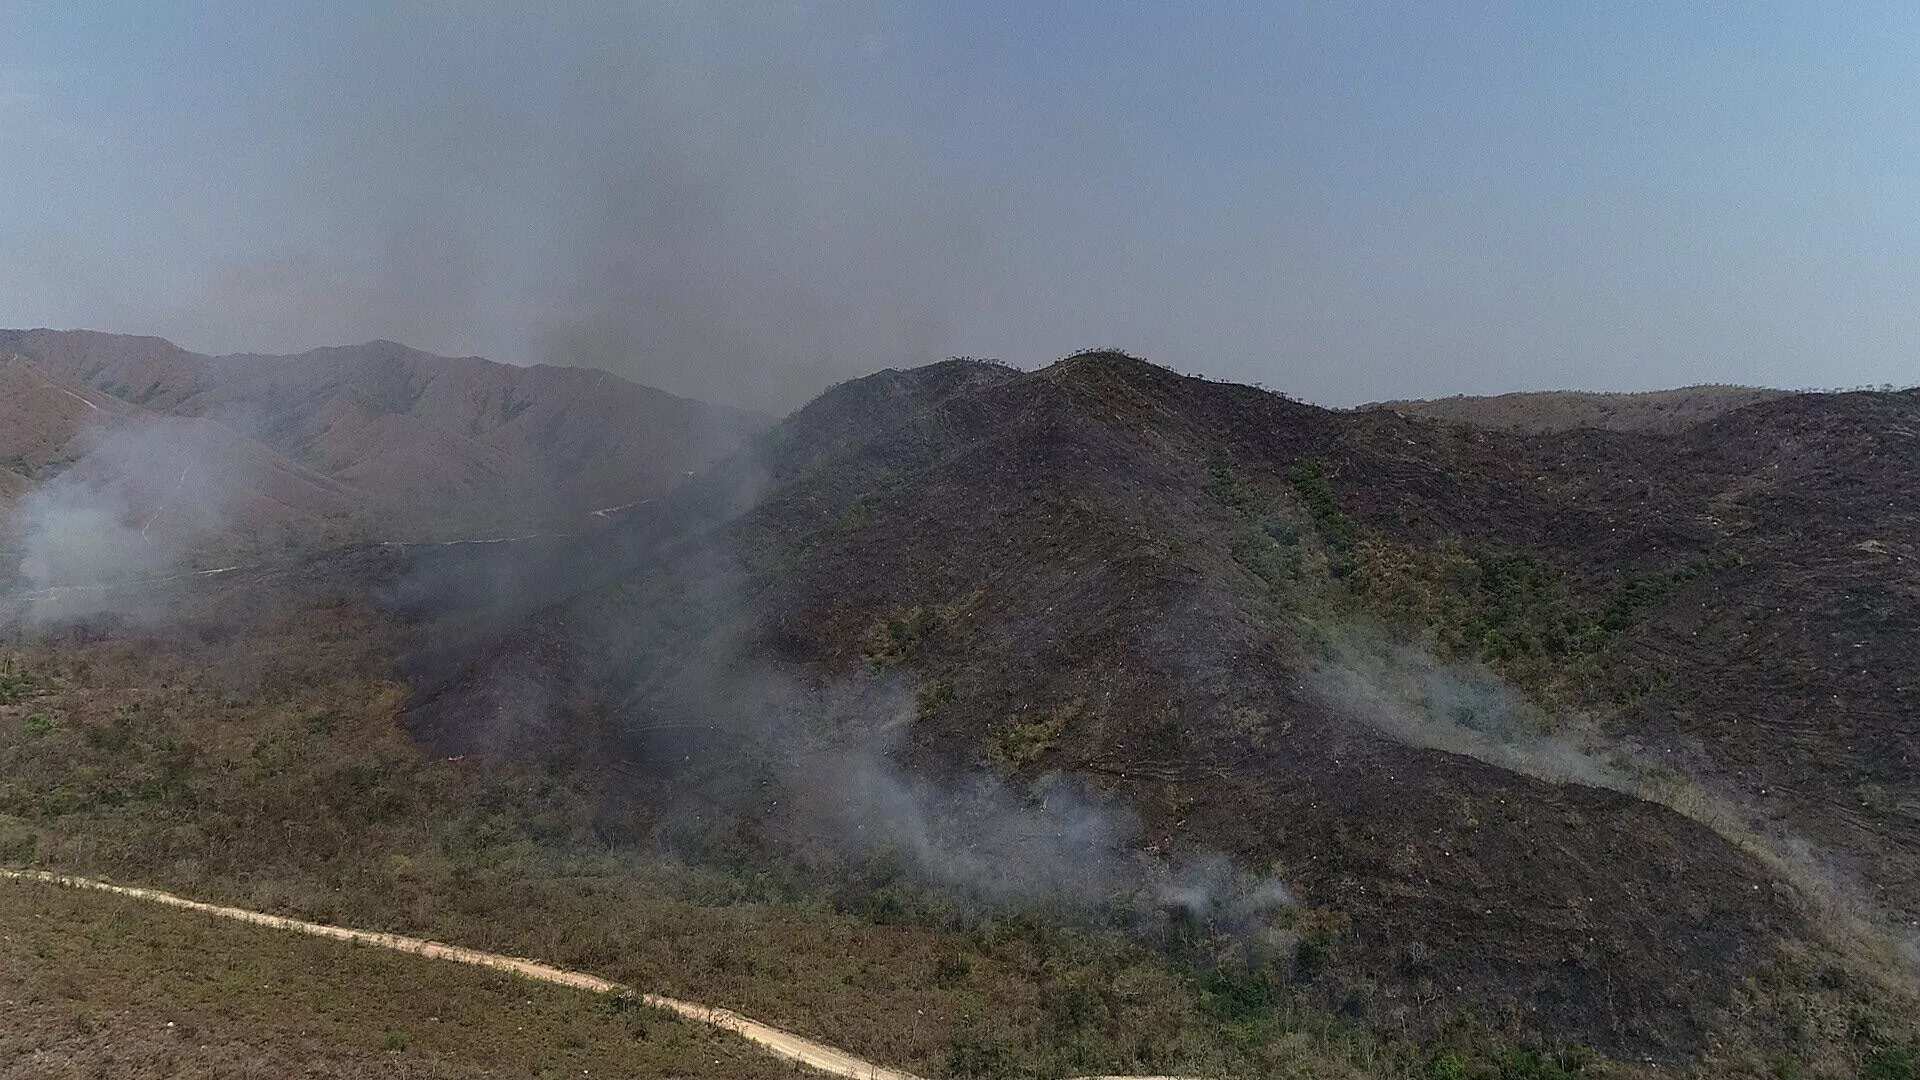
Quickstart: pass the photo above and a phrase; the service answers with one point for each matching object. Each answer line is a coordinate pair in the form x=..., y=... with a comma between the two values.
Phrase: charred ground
x=1111, y=572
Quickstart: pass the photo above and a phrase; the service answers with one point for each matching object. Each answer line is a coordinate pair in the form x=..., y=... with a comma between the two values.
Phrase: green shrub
x=17, y=684
x=950, y=970
x=1310, y=482
x=1536, y=1065
x=929, y=698
x=974, y=1059
x=1024, y=743
x=1225, y=485
x=1239, y=992
x=891, y=640
x=1892, y=1063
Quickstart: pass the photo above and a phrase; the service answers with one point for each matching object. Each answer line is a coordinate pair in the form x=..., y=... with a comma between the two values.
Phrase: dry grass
x=309, y=801
x=94, y=985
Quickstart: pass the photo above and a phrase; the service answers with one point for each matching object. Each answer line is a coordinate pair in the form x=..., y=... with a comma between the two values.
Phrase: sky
x=1344, y=201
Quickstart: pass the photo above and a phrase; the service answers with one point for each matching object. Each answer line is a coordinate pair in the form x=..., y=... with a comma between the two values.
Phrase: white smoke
x=127, y=513
x=1056, y=842
x=1410, y=696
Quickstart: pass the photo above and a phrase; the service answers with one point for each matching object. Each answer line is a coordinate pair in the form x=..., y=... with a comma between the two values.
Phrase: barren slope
x=41, y=417
x=434, y=445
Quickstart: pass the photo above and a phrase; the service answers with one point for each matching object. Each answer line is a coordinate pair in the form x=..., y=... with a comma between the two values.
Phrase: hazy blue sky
x=1346, y=201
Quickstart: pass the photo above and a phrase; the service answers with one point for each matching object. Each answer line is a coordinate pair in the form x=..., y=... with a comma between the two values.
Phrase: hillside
x=247, y=752
x=40, y=420
x=1656, y=411
x=994, y=724
x=1509, y=711
x=95, y=487
x=431, y=446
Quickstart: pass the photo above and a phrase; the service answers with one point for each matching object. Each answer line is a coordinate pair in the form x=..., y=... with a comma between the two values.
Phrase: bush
x=971, y=1059
x=1026, y=742
x=893, y=639
x=1892, y=1063
x=1310, y=483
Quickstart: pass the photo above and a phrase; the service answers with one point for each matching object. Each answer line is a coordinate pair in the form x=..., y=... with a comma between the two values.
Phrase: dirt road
x=782, y=1044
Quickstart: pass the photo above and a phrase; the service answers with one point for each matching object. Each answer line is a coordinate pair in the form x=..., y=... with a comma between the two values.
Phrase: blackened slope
x=1090, y=574
x=1764, y=566
x=494, y=621
x=1796, y=672
x=1057, y=538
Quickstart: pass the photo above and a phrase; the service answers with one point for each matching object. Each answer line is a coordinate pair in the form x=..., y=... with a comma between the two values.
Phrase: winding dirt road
x=782, y=1044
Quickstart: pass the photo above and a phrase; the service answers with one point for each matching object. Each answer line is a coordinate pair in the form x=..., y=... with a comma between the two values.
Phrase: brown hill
x=101, y=463
x=432, y=445
x=1661, y=411
x=1532, y=724
x=40, y=418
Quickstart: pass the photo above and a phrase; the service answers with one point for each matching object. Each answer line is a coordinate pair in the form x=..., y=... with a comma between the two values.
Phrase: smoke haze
x=1414, y=698
x=745, y=202
x=835, y=751
x=132, y=509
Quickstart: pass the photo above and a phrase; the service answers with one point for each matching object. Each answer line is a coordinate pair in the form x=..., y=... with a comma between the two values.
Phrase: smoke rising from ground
x=823, y=764
x=1057, y=842
x=1412, y=697
x=1409, y=695
x=836, y=748
x=130, y=510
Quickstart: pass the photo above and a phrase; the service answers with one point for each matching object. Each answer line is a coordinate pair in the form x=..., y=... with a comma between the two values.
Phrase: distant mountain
x=41, y=416
x=179, y=477
x=1662, y=411
x=428, y=446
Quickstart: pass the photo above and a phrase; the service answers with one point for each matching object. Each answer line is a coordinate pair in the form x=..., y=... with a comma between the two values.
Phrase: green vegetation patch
x=1311, y=484
x=19, y=683
x=1026, y=740
x=893, y=639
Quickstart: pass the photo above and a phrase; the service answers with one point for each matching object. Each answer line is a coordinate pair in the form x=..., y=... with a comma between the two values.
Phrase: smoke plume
x=849, y=786
x=1056, y=842
x=697, y=197
x=1411, y=696
x=129, y=512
